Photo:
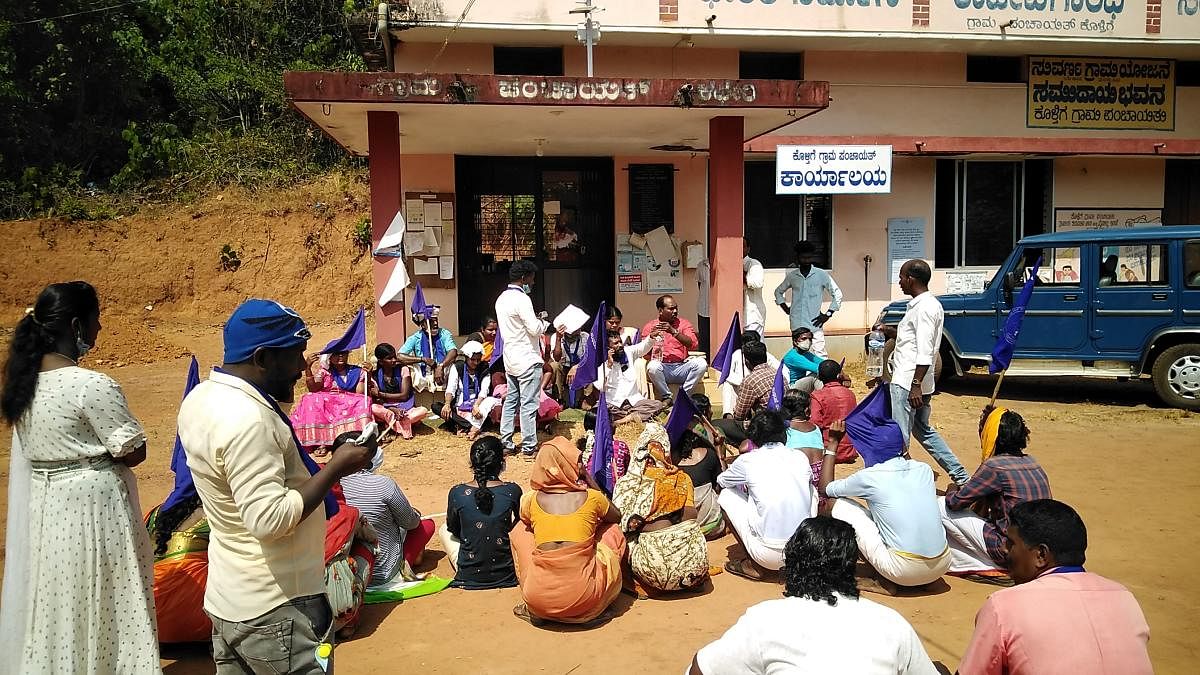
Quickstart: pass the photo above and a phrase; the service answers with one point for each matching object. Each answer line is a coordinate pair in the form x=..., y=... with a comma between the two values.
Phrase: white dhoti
x=968, y=549
x=738, y=510
x=900, y=568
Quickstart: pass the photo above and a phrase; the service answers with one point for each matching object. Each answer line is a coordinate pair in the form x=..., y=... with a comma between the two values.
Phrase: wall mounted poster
x=651, y=197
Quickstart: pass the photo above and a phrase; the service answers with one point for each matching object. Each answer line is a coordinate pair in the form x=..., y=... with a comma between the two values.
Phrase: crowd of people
x=269, y=554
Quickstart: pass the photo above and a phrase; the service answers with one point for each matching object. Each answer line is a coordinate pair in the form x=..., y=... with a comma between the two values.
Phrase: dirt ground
x=1128, y=466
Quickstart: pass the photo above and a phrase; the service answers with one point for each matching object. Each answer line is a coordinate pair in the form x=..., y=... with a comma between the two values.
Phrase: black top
x=485, y=557
x=704, y=472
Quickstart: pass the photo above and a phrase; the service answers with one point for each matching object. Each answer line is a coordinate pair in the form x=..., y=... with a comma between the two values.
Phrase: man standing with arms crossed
x=918, y=338
x=808, y=284
x=754, y=309
x=266, y=555
x=521, y=331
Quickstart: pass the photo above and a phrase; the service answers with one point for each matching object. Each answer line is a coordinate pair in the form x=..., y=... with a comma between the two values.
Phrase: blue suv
x=1106, y=303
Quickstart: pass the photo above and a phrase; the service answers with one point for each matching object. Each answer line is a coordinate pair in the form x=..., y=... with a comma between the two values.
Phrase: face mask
x=527, y=288
x=804, y=345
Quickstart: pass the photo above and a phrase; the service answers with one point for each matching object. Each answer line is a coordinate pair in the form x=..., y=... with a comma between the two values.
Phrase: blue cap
x=262, y=324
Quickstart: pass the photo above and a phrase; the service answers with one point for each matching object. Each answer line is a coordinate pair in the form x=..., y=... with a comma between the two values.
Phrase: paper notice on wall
x=413, y=241
x=629, y=283
x=571, y=319
x=433, y=214
x=906, y=241
x=637, y=241
x=663, y=276
x=431, y=245
x=425, y=266
x=661, y=247
x=447, y=212
x=447, y=239
x=446, y=267
x=393, y=237
x=396, y=283
x=414, y=210
x=694, y=253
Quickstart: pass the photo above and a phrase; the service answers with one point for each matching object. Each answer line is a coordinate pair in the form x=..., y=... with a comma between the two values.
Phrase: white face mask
x=804, y=345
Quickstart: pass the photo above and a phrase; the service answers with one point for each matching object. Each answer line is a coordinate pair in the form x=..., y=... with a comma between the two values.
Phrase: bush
x=361, y=234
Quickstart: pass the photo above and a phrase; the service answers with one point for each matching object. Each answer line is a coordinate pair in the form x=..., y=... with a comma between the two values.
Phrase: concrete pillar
x=726, y=185
x=383, y=141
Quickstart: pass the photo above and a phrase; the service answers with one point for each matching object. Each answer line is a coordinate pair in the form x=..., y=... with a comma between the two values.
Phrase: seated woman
x=402, y=533
x=707, y=430
x=801, y=433
x=976, y=515
x=667, y=551
x=334, y=404
x=620, y=455
x=568, y=547
x=349, y=563
x=392, y=394
x=697, y=457
x=468, y=401
x=802, y=363
x=180, y=536
x=479, y=516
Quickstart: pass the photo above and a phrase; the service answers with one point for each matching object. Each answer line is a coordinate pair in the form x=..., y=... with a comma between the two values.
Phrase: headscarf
x=991, y=429
x=556, y=468
x=262, y=324
x=472, y=348
x=654, y=487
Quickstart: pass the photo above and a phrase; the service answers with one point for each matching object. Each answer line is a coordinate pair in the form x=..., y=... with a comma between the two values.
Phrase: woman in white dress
x=78, y=573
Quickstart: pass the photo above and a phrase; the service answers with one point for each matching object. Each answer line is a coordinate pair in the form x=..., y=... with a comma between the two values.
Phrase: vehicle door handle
x=1158, y=296
x=1071, y=297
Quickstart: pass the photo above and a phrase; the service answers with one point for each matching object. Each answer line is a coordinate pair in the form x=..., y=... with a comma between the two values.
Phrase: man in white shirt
x=521, y=331
x=618, y=378
x=754, y=309
x=703, y=287
x=821, y=625
x=918, y=337
x=266, y=554
x=766, y=494
x=808, y=285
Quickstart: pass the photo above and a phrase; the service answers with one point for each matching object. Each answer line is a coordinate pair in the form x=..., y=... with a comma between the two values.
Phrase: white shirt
x=622, y=385
x=779, y=483
x=754, y=309
x=799, y=635
x=703, y=284
x=918, y=337
x=903, y=502
x=521, y=329
x=456, y=391
x=262, y=552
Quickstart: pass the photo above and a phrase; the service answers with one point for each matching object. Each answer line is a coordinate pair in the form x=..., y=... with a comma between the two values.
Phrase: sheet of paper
x=695, y=253
x=433, y=214
x=447, y=237
x=571, y=319
x=413, y=241
x=415, y=210
x=394, y=234
x=552, y=208
x=425, y=266
x=659, y=242
x=447, y=212
x=446, y=267
x=431, y=244
x=637, y=241
x=396, y=283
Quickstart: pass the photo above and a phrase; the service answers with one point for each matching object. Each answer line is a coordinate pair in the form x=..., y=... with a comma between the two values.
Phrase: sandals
x=521, y=611
x=738, y=568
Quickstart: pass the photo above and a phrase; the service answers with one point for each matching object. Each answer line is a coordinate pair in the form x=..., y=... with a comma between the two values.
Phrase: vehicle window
x=1191, y=264
x=1133, y=265
x=1060, y=266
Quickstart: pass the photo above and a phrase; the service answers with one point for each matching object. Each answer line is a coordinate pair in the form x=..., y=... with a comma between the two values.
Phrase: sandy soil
x=1128, y=466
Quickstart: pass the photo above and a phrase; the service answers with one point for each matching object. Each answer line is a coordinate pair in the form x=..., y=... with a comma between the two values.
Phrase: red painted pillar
x=725, y=221
x=383, y=141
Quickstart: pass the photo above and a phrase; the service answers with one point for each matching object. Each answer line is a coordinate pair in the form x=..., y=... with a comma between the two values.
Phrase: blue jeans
x=687, y=374
x=916, y=423
x=522, y=396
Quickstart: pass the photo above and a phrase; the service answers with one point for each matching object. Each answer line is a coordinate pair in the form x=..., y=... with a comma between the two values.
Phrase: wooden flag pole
x=996, y=390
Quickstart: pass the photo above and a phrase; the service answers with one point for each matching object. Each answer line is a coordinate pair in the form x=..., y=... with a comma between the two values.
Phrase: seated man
x=1059, y=618
x=401, y=530
x=766, y=495
x=976, y=515
x=753, y=394
x=801, y=362
x=618, y=378
x=431, y=349
x=900, y=534
x=821, y=625
x=669, y=359
x=833, y=400
x=566, y=351
x=737, y=373
x=469, y=402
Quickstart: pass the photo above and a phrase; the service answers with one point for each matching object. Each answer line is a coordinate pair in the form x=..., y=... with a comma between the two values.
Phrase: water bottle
x=875, y=342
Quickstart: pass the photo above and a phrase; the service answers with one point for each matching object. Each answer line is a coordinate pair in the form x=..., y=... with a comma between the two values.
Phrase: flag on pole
x=876, y=436
x=683, y=416
x=1002, y=353
x=600, y=464
x=497, y=348
x=184, y=487
x=723, y=359
x=775, y=402
x=354, y=337
x=589, y=366
x=419, y=306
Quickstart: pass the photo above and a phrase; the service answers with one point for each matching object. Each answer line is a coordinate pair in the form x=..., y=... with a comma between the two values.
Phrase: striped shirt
x=386, y=508
x=999, y=484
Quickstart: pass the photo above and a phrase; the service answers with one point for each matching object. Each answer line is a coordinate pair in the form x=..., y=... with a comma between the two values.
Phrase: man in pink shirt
x=1059, y=618
x=669, y=359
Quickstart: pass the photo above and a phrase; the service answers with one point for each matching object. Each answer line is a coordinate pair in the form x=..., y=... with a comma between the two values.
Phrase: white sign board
x=1103, y=219
x=833, y=169
x=906, y=241
x=967, y=281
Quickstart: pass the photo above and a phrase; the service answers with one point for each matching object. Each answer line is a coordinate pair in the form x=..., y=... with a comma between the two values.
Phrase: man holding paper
x=521, y=333
x=568, y=347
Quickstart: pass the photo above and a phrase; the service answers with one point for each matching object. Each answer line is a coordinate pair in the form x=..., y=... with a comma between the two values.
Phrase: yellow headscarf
x=991, y=428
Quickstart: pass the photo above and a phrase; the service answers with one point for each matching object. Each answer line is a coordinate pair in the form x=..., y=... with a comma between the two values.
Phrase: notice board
x=429, y=238
x=651, y=197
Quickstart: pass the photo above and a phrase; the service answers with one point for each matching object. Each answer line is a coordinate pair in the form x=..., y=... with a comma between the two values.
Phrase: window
x=507, y=226
x=1191, y=264
x=774, y=223
x=1187, y=73
x=1181, y=192
x=1004, y=69
x=770, y=66
x=1133, y=265
x=546, y=61
x=1060, y=266
x=982, y=207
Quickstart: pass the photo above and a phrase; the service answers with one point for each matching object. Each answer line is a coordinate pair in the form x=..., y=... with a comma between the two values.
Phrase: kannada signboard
x=1061, y=18
x=833, y=169
x=1071, y=92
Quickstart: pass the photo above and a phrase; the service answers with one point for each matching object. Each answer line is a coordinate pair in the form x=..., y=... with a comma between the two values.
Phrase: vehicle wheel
x=1176, y=376
x=889, y=347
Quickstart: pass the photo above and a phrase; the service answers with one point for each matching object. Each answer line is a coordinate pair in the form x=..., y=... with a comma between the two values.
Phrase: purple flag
x=1002, y=353
x=723, y=359
x=419, y=306
x=600, y=465
x=184, y=487
x=876, y=436
x=589, y=366
x=683, y=415
x=775, y=402
x=354, y=337
x=497, y=348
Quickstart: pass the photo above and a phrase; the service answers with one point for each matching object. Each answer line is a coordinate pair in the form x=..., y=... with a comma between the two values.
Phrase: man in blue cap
x=266, y=577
